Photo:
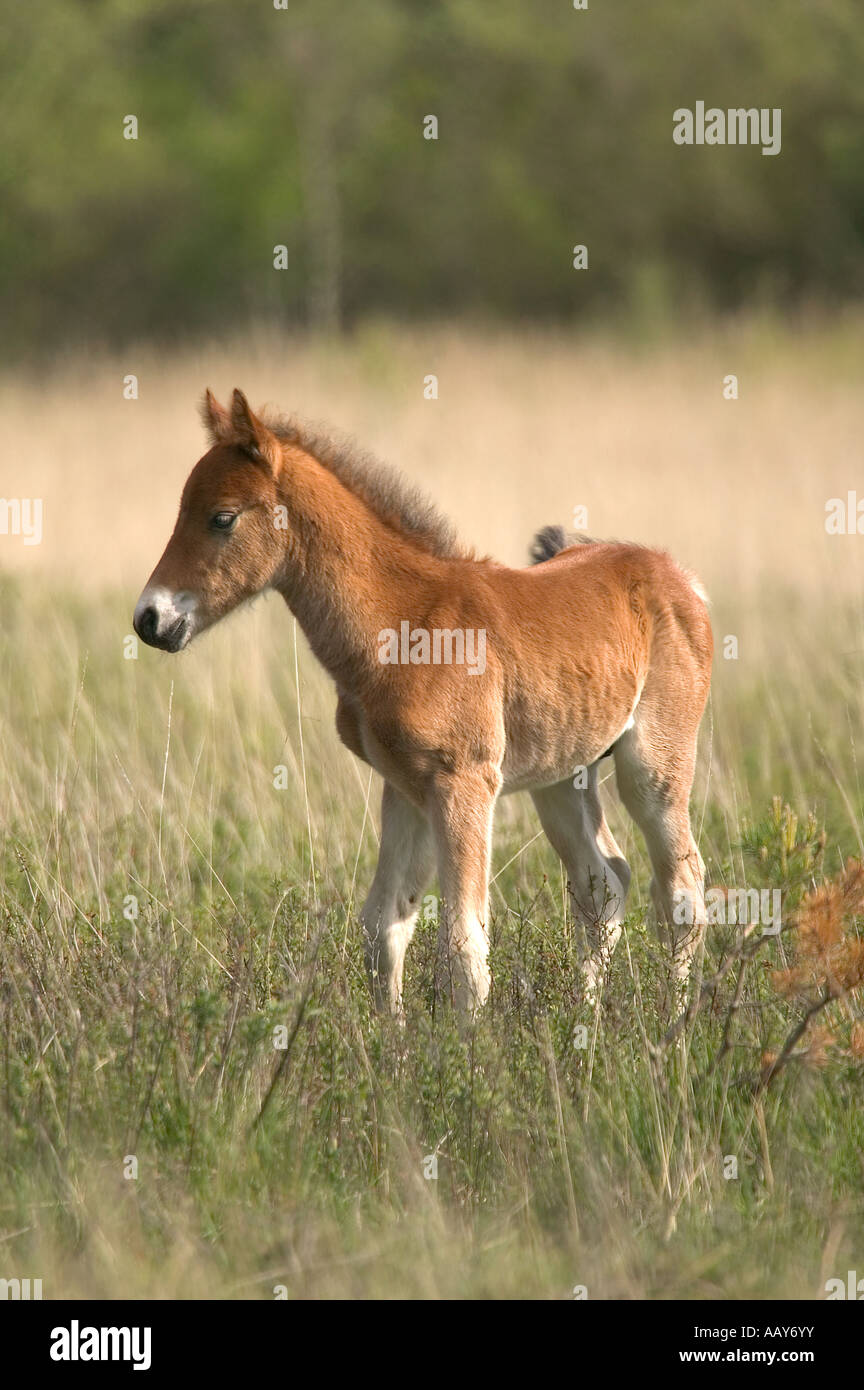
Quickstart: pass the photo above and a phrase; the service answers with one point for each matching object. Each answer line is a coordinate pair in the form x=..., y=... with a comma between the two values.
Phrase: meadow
x=196, y=1100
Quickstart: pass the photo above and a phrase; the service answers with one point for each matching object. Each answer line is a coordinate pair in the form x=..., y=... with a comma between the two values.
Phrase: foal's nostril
x=146, y=624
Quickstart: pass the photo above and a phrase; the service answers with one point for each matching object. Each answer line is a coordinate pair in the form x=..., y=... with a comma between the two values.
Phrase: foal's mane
x=400, y=505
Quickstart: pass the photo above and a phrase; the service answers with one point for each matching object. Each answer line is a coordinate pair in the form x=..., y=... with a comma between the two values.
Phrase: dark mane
x=400, y=505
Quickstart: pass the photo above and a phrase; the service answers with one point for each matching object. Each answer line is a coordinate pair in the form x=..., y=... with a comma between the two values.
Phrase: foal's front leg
x=461, y=811
x=389, y=915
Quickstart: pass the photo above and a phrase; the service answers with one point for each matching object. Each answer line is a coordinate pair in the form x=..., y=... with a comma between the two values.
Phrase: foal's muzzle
x=168, y=638
x=164, y=619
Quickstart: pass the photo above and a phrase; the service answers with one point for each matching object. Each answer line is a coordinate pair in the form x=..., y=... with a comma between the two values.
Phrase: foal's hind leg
x=389, y=915
x=654, y=770
x=599, y=877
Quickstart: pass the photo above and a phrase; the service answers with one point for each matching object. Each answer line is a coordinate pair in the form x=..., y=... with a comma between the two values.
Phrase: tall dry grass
x=527, y=426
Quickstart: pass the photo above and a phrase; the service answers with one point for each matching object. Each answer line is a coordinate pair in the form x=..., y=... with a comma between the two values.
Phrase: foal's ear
x=251, y=434
x=215, y=418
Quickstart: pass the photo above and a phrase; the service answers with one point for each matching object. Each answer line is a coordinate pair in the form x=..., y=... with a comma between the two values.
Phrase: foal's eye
x=223, y=521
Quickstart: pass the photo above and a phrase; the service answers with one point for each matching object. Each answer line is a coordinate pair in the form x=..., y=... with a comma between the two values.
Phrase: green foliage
x=303, y=127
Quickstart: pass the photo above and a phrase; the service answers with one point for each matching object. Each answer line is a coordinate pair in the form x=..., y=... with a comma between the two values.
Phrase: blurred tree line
x=303, y=126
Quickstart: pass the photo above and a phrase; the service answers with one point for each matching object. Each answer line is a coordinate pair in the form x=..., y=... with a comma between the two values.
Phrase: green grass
x=558, y=1165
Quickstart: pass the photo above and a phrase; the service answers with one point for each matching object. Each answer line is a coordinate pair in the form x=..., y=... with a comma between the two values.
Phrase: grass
x=564, y=1157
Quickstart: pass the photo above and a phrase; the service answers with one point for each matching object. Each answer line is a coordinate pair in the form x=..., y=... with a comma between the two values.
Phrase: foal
x=459, y=679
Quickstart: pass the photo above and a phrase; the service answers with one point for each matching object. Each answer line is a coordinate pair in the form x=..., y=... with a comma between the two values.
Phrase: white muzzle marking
x=165, y=619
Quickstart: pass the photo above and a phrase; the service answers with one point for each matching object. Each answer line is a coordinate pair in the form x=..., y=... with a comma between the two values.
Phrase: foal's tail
x=553, y=539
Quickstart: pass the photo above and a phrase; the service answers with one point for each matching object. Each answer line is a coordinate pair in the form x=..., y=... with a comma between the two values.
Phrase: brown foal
x=459, y=679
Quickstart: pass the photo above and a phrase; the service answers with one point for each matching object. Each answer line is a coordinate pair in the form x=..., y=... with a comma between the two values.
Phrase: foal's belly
x=519, y=779
x=544, y=741
x=541, y=752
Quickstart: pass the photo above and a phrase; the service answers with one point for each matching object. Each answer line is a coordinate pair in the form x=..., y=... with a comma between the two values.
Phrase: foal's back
x=573, y=642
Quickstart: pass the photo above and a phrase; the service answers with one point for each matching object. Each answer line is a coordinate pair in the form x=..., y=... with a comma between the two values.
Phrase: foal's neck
x=346, y=575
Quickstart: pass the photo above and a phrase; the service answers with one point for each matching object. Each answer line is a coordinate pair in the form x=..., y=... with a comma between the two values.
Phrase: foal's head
x=225, y=547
